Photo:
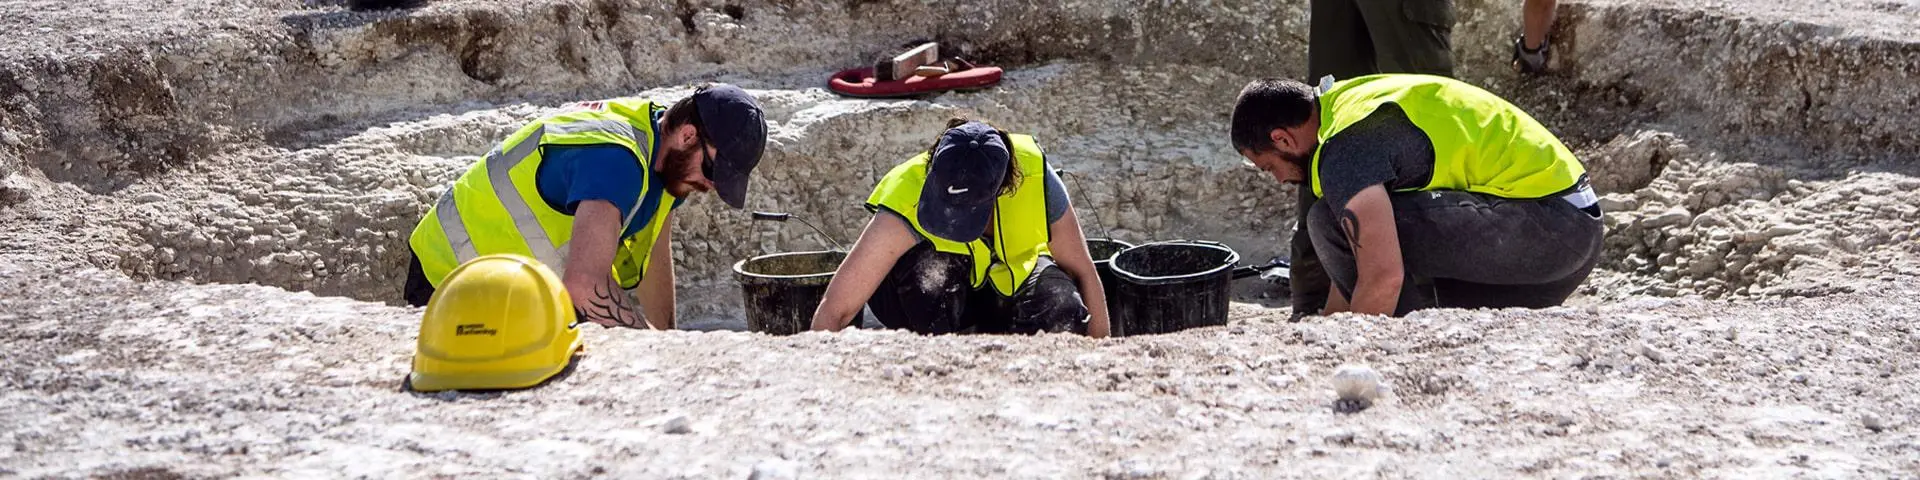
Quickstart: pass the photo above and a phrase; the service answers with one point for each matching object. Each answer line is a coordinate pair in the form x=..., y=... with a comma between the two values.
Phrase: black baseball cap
x=968, y=167
x=732, y=121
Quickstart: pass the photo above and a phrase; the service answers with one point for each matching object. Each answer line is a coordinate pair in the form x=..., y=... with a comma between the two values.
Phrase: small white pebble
x=1647, y=350
x=1356, y=383
x=775, y=470
x=677, y=425
x=1872, y=422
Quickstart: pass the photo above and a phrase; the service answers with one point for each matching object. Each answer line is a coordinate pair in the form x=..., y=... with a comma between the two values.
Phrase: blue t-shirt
x=570, y=174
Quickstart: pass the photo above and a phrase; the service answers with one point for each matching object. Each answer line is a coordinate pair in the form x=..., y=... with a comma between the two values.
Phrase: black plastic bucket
x=783, y=289
x=1102, y=250
x=1171, y=286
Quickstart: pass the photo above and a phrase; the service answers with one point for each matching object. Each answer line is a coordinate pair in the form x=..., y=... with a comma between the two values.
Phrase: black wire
x=823, y=234
x=1090, y=211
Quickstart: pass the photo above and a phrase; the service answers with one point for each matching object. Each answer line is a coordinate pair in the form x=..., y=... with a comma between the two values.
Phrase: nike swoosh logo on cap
x=957, y=191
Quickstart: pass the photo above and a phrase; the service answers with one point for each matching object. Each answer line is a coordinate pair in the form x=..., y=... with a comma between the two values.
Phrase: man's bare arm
x=589, y=278
x=656, y=288
x=1368, y=222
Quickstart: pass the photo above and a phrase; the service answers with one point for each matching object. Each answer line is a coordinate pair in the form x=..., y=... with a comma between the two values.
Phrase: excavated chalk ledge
x=333, y=218
x=104, y=114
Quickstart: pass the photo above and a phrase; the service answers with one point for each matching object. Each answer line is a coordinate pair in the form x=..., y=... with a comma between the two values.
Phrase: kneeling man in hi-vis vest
x=974, y=235
x=1433, y=192
x=588, y=193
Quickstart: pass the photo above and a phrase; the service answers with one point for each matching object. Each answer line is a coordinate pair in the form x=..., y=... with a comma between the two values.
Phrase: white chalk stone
x=1872, y=422
x=775, y=470
x=675, y=425
x=1357, y=383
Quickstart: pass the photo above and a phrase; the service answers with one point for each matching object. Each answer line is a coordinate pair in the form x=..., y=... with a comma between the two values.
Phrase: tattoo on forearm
x=1350, y=223
x=607, y=306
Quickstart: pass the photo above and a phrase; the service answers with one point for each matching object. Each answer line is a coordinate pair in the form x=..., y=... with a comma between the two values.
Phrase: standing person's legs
x=1410, y=36
x=417, y=290
x=1337, y=41
x=926, y=292
x=1464, y=240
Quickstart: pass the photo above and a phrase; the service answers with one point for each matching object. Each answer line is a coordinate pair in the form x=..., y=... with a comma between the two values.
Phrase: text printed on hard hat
x=474, y=329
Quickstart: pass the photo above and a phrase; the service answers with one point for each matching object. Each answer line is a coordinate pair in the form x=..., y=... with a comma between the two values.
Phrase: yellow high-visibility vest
x=496, y=206
x=1481, y=143
x=1019, y=226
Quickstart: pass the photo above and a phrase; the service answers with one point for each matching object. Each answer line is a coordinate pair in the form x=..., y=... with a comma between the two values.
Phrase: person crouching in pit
x=1433, y=194
x=975, y=235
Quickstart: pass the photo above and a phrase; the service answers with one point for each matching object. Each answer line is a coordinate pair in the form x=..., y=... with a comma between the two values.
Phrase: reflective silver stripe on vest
x=1582, y=198
x=646, y=172
x=608, y=125
x=499, y=175
x=448, y=212
x=646, y=178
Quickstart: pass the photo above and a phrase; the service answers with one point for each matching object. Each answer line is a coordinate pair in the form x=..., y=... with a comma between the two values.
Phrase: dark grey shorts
x=1470, y=250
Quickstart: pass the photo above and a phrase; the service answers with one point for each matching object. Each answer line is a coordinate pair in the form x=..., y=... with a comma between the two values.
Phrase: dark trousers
x=1350, y=38
x=929, y=292
x=418, y=289
x=1471, y=250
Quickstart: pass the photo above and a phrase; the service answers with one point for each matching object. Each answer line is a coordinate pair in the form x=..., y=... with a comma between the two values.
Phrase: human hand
x=605, y=305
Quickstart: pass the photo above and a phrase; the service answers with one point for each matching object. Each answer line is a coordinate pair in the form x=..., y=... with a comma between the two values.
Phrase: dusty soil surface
x=1752, y=318
x=107, y=376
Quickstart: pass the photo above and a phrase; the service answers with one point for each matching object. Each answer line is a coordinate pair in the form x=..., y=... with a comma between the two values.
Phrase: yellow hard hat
x=498, y=321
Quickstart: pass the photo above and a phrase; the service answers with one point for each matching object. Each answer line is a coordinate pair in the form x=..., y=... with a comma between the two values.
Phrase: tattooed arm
x=596, y=233
x=608, y=306
x=1368, y=224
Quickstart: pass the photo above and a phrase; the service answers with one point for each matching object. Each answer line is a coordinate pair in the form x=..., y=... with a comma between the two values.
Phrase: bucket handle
x=1260, y=270
x=1095, y=215
x=1230, y=269
x=1241, y=272
x=783, y=217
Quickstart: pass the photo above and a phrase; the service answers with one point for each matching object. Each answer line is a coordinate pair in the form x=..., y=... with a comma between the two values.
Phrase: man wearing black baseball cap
x=588, y=192
x=974, y=235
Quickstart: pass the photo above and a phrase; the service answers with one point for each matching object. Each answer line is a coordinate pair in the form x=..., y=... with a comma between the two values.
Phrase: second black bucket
x=1171, y=286
x=1102, y=250
x=783, y=289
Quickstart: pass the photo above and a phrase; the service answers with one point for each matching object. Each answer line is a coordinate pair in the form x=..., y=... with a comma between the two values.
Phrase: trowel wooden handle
x=929, y=71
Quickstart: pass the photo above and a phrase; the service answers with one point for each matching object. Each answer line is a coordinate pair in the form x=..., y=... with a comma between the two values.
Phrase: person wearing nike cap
x=975, y=235
x=589, y=191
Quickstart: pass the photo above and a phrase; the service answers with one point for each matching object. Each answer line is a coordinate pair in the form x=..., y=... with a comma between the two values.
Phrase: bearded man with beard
x=1432, y=192
x=588, y=192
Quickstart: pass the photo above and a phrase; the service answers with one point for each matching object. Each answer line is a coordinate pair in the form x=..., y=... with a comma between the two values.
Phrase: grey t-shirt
x=1385, y=148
